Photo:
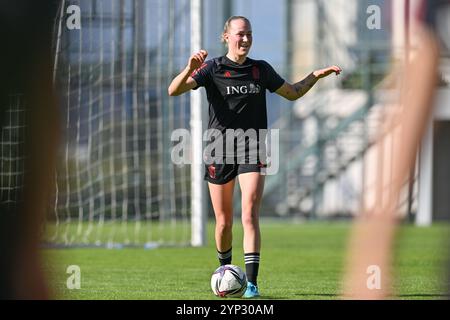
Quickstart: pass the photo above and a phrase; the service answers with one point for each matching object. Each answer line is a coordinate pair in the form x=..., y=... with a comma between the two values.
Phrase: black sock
x=224, y=257
x=252, y=266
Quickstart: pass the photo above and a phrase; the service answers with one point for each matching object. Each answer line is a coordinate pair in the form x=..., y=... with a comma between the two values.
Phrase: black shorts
x=224, y=173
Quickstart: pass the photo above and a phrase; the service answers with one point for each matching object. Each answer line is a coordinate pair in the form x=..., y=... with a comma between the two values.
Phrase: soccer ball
x=229, y=281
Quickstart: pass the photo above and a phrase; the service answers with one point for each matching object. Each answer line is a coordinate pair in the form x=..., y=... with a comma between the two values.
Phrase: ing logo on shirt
x=250, y=88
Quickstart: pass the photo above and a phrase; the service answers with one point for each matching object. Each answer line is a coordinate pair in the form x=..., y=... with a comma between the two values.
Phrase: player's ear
x=225, y=37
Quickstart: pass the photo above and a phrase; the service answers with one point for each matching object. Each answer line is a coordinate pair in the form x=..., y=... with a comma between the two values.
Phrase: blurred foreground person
x=373, y=234
x=29, y=117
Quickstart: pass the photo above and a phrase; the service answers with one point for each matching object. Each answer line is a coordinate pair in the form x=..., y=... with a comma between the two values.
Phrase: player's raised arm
x=294, y=91
x=184, y=82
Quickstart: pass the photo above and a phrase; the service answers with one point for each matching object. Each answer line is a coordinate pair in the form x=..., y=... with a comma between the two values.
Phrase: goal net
x=115, y=182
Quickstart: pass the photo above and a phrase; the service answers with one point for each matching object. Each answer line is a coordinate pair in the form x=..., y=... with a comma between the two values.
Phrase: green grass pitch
x=298, y=261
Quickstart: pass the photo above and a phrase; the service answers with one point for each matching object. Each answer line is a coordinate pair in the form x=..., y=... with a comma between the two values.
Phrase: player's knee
x=224, y=226
x=250, y=217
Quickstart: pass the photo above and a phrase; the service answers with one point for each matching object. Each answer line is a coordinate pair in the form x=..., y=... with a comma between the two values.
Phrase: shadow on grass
x=264, y=297
x=422, y=295
x=299, y=295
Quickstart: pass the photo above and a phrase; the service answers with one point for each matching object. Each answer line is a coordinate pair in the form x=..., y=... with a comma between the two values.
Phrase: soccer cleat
x=251, y=292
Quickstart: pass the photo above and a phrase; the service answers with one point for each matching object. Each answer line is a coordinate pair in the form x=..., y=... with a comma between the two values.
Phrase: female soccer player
x=236, y=90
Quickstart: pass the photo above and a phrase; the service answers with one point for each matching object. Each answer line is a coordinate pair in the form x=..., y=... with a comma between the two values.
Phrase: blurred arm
x=373, y=233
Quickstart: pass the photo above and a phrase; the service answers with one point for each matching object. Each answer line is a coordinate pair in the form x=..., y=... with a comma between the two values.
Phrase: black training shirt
x=237, y=93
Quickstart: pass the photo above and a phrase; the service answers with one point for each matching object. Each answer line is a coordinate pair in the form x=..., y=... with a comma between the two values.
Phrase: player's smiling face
x=239, y=38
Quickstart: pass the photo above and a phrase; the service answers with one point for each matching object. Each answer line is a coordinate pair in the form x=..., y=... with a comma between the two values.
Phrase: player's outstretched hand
x=322, y=73
x=197, y=59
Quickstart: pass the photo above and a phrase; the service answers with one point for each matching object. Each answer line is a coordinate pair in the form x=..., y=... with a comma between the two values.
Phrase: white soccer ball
x=229, y=281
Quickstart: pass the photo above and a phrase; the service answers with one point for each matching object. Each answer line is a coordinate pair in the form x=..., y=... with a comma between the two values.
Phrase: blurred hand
x=197, y=59
x=322, y=73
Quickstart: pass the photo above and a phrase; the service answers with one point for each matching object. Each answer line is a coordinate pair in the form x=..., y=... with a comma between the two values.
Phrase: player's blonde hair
x=226, y=27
